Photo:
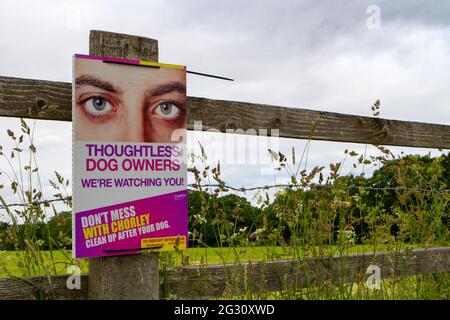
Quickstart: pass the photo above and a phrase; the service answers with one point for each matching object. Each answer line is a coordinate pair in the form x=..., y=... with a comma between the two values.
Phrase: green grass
x=11, y=262
x=429, y=286
x=420, y=287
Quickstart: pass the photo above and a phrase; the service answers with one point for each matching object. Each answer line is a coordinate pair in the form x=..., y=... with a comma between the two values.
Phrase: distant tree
x=3, y=236
x=214, y=220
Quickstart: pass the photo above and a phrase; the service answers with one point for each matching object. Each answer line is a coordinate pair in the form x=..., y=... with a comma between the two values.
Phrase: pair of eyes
x=98, y=107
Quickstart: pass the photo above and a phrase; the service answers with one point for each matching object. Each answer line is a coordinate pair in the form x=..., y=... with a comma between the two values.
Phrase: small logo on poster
x=179, y=196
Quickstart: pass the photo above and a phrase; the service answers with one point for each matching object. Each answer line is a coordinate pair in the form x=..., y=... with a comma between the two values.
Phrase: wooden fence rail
x=52, y=101
x=215, y=281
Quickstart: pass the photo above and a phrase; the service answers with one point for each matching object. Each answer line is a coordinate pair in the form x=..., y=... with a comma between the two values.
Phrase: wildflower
x=200, y=219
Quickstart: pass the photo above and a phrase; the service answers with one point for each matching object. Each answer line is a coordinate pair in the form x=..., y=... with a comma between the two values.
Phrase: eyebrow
x=94, y=81
x=166, y=88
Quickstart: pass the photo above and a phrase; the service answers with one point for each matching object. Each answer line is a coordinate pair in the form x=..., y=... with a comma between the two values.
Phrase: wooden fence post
x=129, y=276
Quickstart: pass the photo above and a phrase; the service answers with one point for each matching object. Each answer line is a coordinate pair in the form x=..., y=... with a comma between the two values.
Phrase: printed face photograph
x=132, y=103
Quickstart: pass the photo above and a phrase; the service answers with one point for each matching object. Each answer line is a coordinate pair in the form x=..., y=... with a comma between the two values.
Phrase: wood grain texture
x=118, y=45
x=298, y=123
x=215, y=281
x=128, y=277
x=52, y=100
x=289, y=275
x=131, y=277
x=42, y=288
x=37, y=99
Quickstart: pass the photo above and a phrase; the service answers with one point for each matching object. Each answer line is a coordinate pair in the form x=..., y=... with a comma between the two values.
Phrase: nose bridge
x=134, y=121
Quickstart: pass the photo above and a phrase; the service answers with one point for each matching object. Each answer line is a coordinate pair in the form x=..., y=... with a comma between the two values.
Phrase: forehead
x=128, y=75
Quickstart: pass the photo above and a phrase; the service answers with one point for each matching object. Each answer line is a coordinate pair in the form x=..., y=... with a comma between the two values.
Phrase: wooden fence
x=138, y=277
x=215, y=281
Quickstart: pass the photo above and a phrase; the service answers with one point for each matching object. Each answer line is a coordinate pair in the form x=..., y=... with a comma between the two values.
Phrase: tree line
x=404, y=198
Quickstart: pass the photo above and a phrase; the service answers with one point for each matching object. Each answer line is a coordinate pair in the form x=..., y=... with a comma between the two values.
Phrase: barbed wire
x=244, y=189
x=292, y=186
x=35, y=203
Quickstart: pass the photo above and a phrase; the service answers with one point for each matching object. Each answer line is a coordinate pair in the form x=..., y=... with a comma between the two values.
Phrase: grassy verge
x=420, y=287
x=10, y=261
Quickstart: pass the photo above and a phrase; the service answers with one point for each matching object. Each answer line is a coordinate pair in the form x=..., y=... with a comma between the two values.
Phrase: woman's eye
x=167, y=110
x=97, y=106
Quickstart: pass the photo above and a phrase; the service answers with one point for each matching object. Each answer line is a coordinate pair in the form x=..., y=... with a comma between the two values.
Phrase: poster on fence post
x=129, y=157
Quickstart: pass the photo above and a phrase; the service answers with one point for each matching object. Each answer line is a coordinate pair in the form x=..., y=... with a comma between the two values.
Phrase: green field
x=428, y=286
x=14, y=263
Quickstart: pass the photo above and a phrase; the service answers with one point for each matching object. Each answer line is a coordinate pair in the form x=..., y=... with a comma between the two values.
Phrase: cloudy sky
x=322, y=55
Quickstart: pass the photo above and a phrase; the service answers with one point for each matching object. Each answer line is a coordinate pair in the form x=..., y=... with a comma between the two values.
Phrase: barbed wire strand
x=243, y=189
x=292, y=186
x=35, y=203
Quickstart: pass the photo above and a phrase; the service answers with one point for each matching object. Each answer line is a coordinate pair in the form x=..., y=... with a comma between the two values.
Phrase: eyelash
x=104, y=117
x=98, y=117
x=181, y=109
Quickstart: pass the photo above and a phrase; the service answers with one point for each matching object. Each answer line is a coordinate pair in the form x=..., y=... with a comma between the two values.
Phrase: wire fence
x=226, y=187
